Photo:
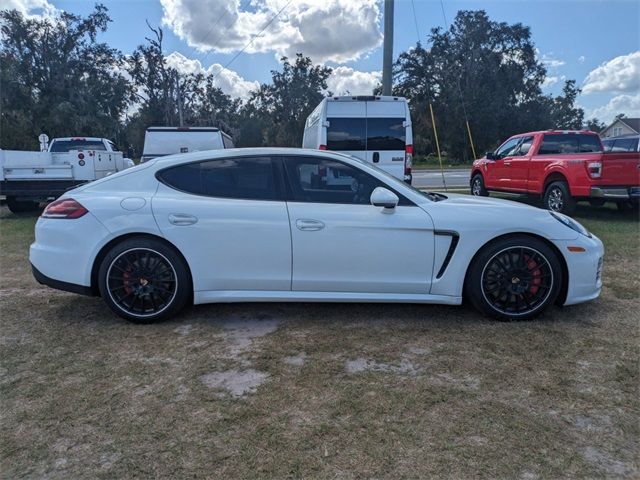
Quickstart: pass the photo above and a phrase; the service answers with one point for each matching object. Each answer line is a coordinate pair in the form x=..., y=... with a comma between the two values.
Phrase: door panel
x=361, y=248
x=341, y=243
x=233, y=244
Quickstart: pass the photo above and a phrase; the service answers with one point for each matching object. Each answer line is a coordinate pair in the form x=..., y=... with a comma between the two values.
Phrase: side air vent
x=455, y=236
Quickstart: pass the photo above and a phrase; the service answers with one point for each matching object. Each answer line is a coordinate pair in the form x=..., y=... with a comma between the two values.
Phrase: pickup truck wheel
x=558, y=198
x=144, y=281
x=514, y=278
x=596, y=202
x=477, y=186
x=22, y=206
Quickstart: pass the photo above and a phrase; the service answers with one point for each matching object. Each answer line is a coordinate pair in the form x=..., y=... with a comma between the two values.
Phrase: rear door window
x=248, y=178
x=347, y=134
x=559, y=144
x=524, y=147
x=386, y=134
x=589, y=143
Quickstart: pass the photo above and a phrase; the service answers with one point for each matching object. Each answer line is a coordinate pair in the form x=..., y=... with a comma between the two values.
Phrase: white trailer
x=28, y=178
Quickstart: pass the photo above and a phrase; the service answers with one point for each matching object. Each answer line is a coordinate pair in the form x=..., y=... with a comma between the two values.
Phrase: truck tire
x=557, y=198
x=22, y=206
x=477, y=186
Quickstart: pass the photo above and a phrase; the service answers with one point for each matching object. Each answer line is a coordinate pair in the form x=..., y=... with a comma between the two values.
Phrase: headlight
x=569, y=222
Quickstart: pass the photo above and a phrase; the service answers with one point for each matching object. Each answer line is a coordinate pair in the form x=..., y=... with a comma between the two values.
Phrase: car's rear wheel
x=557, y=198
x=515, y=278
x=143, y=280
x=477, y=186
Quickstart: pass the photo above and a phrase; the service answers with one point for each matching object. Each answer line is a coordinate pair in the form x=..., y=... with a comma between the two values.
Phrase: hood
x=473, y=201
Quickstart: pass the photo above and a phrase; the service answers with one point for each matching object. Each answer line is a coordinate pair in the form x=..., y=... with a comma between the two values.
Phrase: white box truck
x=28, y=178
x=161, y=141
x=376, y=129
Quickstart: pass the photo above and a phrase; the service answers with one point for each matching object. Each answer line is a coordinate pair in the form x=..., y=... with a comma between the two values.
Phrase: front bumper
x=584, y=268
x=615, y=193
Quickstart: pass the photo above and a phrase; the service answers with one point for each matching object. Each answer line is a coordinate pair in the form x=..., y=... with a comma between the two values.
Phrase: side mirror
x=382, y=197
x=490, y=156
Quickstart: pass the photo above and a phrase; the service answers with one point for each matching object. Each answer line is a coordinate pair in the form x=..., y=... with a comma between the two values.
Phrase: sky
x=595, y=42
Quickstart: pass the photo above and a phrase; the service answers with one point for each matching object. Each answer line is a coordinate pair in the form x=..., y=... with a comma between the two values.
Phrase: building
x=622, y=126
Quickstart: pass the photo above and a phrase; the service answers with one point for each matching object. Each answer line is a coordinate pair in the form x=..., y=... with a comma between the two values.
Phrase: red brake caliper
x=125, y=281
x=532, y=265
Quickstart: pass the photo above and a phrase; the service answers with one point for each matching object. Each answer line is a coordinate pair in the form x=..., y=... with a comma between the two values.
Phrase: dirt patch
x=235, y=382
x=295, y=360
x=359, y=365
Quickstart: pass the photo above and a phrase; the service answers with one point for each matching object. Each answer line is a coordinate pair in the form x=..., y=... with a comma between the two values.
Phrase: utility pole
x=387, y=59
x=180, y=120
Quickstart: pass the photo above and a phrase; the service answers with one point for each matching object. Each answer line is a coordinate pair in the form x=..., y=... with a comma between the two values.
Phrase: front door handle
x=307, y=225
x=507, y=164
x=182, y=219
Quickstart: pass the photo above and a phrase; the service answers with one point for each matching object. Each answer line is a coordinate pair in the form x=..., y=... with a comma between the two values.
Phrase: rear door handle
x=376, y=157
x=182, y=219
x=307, y=225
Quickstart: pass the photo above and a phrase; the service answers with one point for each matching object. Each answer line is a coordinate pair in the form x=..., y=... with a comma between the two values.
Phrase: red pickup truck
x=561, y=167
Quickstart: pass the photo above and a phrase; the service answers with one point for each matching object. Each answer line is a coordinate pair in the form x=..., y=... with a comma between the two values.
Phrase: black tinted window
x=589, y=143
x=625, y=145
x=347, y=134
x=559, y=144
x=246, y=178
x=60, y=146
x=321, y=180
x=386, y=134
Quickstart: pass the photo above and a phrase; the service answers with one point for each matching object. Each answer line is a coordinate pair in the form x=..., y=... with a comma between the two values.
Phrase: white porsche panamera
x=270, y=224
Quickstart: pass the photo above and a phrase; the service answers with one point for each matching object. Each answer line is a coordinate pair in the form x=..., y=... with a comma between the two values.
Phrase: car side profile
x=268, y=224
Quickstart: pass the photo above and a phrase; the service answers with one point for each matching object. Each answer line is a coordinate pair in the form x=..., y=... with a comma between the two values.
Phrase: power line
x=253, y=37
x=415, y=19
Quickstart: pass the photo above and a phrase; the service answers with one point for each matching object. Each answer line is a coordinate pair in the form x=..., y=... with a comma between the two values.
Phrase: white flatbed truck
x=28, y=178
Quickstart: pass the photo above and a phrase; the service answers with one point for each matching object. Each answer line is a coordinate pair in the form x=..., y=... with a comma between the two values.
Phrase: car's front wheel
x=144, y=280
x=477, y=186
x=515, y=278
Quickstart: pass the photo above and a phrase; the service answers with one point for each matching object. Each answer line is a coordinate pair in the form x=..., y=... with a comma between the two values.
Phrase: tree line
x=57, y=78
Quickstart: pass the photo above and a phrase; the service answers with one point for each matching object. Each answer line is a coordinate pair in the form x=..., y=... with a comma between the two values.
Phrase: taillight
x=64, y=208
x=408, y=160
x=322, y=147
x=594, y=169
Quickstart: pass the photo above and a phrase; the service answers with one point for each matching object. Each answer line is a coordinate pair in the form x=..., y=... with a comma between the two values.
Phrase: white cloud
x=581, y=58
x=229, y=81
x=347, y=81
x=627, y=104
x=622, y=74
x=550, y=61
x=31, y=8
x=550, y=81
x=301, y=27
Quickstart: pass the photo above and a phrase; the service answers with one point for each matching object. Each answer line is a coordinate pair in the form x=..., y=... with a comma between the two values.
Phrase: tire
x=596, y=202
x=22, y=206
x=477, y=186
x=514, y=278
x=143, y=280
x=557, y=198
x=627, y=206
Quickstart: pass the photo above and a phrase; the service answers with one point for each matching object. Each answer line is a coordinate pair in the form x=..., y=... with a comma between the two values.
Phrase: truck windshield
x=61, y=146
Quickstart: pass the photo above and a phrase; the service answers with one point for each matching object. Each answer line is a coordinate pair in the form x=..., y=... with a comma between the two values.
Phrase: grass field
x=320, y=391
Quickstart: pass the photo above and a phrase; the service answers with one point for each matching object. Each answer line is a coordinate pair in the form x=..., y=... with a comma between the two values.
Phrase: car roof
x=556, y=132
x=180, y=158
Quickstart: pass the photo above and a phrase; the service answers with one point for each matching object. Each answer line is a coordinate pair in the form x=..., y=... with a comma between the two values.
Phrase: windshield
x=61, y=146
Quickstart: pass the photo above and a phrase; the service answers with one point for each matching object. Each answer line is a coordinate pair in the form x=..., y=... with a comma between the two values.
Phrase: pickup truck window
x=589, y=143
x=63, y=146
x=559, y=144
x=622, y=145
x=507, y=149
x=525, y=146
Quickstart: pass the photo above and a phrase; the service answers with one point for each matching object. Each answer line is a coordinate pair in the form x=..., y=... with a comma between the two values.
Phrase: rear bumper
x=59, y=285
x=615, y=193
